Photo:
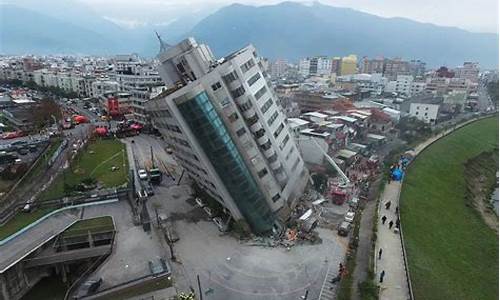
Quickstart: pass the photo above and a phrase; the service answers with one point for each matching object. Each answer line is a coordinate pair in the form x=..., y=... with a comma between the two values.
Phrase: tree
x=493, y=91
x=44, y=113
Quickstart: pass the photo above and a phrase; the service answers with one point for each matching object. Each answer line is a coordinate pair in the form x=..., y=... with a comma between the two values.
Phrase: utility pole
x=199, y=286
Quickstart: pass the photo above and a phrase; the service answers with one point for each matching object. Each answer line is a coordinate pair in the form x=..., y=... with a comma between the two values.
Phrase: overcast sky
x=473, y=15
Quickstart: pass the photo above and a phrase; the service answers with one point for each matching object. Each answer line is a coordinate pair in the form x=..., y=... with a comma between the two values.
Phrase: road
x=227, y=268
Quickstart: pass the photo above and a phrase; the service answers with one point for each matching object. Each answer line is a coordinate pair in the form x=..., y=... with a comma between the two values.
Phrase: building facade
x=228, y=132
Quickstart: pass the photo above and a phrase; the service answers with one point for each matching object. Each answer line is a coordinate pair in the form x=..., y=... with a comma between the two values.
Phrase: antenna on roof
x=163, y=46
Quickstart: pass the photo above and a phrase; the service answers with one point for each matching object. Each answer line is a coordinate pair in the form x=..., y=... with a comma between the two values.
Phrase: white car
x=142, y=174
x=349, y=216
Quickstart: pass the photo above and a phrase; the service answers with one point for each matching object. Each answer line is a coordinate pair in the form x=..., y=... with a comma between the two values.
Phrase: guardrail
x=28, y=227
x=15, y=208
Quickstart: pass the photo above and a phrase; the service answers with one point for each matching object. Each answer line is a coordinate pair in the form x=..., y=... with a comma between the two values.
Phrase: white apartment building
x=425, y=111
x=469, y=70
x=228, y=132
x=405, y=85
x=315, y=66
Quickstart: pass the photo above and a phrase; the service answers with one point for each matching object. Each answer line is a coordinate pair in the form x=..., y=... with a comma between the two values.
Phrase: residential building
x=313, y=101
x=349, y=65
x=279, y=68
x=228, y=132
x=417, y=68
x=315, y=66
x=425, y=107
x=371, y=66
x=469, y=70
x=336, y=65
x=395, y=67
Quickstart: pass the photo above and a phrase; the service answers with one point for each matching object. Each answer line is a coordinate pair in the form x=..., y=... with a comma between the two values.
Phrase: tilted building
x=228, y=132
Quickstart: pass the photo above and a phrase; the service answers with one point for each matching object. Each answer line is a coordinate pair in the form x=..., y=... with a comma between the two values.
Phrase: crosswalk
x=328, y=289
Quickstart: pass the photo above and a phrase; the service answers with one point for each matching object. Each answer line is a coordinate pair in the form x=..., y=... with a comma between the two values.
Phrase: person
x=382, y=274
x=380, y=253
x=390, y=224
x=397, y=209
x=383, y=219
x=397, y=223
x=388, y=205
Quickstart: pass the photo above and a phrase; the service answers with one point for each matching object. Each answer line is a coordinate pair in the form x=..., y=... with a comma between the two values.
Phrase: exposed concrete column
x=64, y=273
x=3, y=288
x=90, y=239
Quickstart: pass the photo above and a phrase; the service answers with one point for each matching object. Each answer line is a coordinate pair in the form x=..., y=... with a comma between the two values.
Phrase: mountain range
x=287, y=30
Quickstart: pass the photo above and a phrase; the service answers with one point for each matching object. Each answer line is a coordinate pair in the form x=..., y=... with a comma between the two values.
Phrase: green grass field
x=452, y=253
x=96, y=162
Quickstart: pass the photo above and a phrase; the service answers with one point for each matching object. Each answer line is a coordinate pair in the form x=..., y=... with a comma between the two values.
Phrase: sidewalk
x=394, y=286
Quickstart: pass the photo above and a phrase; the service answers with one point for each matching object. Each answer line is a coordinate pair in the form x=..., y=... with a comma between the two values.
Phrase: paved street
x=229, y=269
x=132, y=250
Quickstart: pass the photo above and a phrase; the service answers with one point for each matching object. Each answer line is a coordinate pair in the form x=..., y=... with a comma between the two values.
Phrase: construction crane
x=343, y=178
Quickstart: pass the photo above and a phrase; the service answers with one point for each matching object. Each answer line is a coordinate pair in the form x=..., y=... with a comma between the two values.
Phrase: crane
x=343, y=178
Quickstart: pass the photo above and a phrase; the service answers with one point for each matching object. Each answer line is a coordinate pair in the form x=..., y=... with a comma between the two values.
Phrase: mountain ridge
x=286, y=30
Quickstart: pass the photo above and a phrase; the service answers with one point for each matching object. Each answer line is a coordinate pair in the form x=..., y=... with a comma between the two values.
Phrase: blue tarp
x=397, y=174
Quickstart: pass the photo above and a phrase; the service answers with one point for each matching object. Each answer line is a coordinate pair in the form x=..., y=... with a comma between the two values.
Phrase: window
x=230, y=77
x=216, y=86
x=285, y=141
x=260, y=92
x=427, y=108
x=289, y=153
x=260, y=133
x=252, y=120
x=416, y=113
x=240, y=131
x=273, y=158
x=233, y=117
x=266, y=146
x=262, y=173
x=425, y=114
x=247, y=66
x=246, y=106
x=272, y=118
x=238, y=92
x=266, y=105
x=276, y=197
x=278, y=131
x=253, y=79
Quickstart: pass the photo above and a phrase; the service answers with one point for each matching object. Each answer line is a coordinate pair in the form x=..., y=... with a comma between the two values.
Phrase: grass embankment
x=94, y=162
x=452, y=253
x=95, y=225
x=21, y=220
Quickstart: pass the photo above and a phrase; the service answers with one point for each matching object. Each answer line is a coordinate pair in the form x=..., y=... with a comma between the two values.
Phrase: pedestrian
x=382, y=274
x=380, y=253
x=397, y=209
x=383, y=219
x=397, y=223
x=388, y=205
x=390, y=224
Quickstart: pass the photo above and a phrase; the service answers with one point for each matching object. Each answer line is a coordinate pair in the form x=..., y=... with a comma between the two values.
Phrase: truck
x=155, y=175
